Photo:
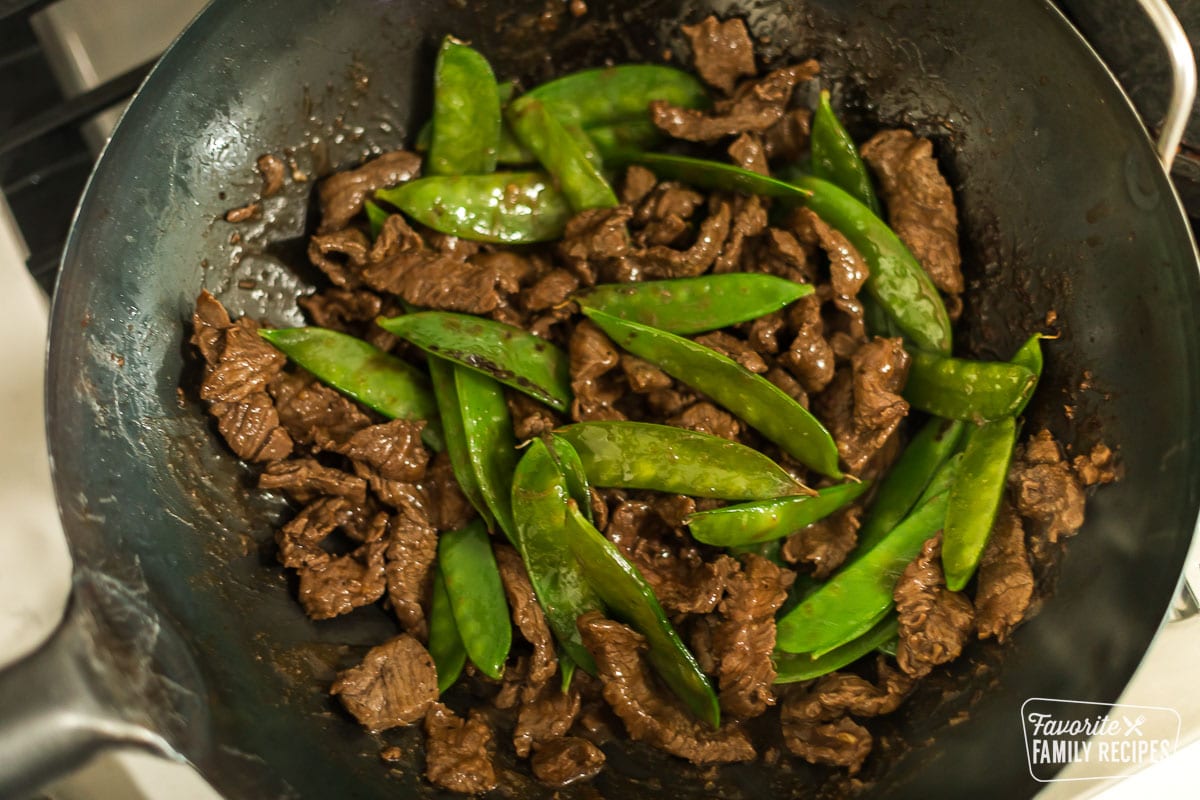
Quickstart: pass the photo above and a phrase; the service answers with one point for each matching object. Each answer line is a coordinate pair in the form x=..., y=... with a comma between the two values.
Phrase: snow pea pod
x=908, y=477
x=973, y=391
x=512, y=356
x=1030, y=357
x=715, y=175
x=504, y=207
x=795, y=667
x=762, y=404
x=765, y=520
x=567, y=459
x=561, y=154
x=608, y=95
x=612, y=140
x=445, y=645
x=644, y=455
x=835, y=157
x=625, y=591
x=508, y=150
x=477, y=596
x=466, y=115
x=359, y=370
x=539, y=503
x=694, y=305
x=445, y=389
x=859, y=594
x=376, y=216
x=491, y=446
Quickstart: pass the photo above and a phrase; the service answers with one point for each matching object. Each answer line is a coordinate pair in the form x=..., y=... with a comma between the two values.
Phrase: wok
x=182, y=635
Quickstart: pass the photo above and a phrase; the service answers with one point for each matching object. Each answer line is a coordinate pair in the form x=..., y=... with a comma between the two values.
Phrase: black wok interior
x=1064, y=208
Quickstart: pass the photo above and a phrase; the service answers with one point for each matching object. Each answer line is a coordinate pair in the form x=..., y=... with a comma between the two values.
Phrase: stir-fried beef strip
x=548, y=715
x=309, y=409
x=396, y=684
x=527, y=616
x=341, y=255
x=594, y=384
x=935, y=622
x=1044, y=489
x=345, y=582
x=411, y=552
x=458, y=752
x=825, y=544
x=1005, y=578
x=721, y=51
x=342, y=193
x=567, y=760
x=305, y=479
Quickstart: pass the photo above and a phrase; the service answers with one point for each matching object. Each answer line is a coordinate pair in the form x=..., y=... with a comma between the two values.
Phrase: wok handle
x=1183, y=77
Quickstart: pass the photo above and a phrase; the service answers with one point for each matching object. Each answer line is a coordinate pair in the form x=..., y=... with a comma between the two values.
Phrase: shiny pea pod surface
x=466, y=112
x=607, y=95
x=445, y=645
x=663, y=458
x=766, y=520
x=508, y=354
x=835, y=157
x=376, y=216
x=562, y=154
x=716, y=175
x=567, y=459
x=477, y=596
x=972, y=391
x=491, y=445
x=686, y=306
x=445, y=389
x=1029, y=356
x=795, y=667
x=762, y=404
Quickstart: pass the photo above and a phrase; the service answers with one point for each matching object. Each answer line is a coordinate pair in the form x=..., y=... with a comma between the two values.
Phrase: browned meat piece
x=530, y=418
x=721, y=51
x=411, y=552
x=449, y=509
x=251, y=428
x=309, y=408
x=809, y=356
x=593, y=237
x=1044, y=488
x=299, y=540
x=781, y=253
x=755, y=106
x=306, y=478
x=826, y=543
x=744, y=638
x=787, y=139
x=664, y=262
x=1005, y=578
x=748, y=153
x=672, y=509
x=1097, y=467
x=342, y=193
x=705, y=417
x=567, y=760
x=552, y=289
x=668, y=199
x=458, y=752
x=273, y=172
x=345, y=582
x=863, y=407
x=788, y=383
x=934, y=621
x=840, y=743
x=446, y=284
x=593, y=356
x=462, y=249
x=548, y=715
x=341, y=255
x=642, y=376
x=650, y=712
x=527, y=615
x=763, y=333
x=392, y=449
x=637, y=184
x=732, y=347
x=340, y=309
x=394, y=685
x=847, y=273
x=395, y=237
x=749, y=220
x=920, y=205
x=515, y=269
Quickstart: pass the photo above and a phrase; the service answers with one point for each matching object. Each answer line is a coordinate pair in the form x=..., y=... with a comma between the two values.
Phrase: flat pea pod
x=561, y=154
x=634, y=134
x=1030, y=357
x=476, y=596
x=566, y=668
x=767, y=520
x=607, y=95
x=466, y=116
x=972, y=391
x=975, y=498
x=376, y=216
x=663, y=458
x=859, y=594
x=908, y=478
x=508, y=150
x=897, y=281
x=717, y=175
x=445, y=645
x=491, y=445
x=687, y=306
x=795, y=667
x=508, y=354
x=445, y=388
x=567, y=459
x=502, y=207
x=877, y=320
x=539, y=503
x=762, y=404
x=363, y=372
x=771, y=550
x=627, y=594
x=835, y=157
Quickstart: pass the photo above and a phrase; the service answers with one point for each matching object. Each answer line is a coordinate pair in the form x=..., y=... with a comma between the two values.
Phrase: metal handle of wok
x=1183, y=77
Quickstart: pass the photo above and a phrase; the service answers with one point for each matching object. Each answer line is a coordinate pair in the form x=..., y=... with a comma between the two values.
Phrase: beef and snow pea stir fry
x=634, y=397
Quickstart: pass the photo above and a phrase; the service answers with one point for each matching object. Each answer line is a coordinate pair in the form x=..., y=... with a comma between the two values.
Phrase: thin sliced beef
x=342, y=193
x=642, y=376
x=863, y=407
x=544, y=717
x=594, y=237
x=458, y=752
x=660, y=261
x=346, y=310
x=341, y=255
x=530, y=418
x=637, y=183
x=763, y=333
x=345, y=582
x=650, y=712
x=704, y=417
x=825, y=544
x=920, y=205
x=934, y=621
x=552, y=289
x=721, y=51
x=593, y=357
x=809, y=356
x=1097, y=467
x=748, y=153
x=1044, y=489
x=395, y=237
x=251, y=428
x=304, y=479
x=396, y=684
x=448, y=508
x=787, y=139
x=299, y=540
x=1005, y=582
x=309, y=409
x=749, y=220
x=848, y=272
x=567, y=760
x=527, y=616
x=733, y=348
x=392, y=449
x=411, y=552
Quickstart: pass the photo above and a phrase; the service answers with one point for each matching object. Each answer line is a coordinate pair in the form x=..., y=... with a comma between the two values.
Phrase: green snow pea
x=795, y=667
x=504, y=207
x=466, y=116
x=694, y=305
x=570, y=465
x=539, y=503
x=906, y=480
x=771, y=550
x=491, y=446
x=973, y=391
x=376, y=216
x=835, y=157
x=512, y=356
x=644, y=455
x=445, y=645
x=612, y=140
x=562, y=154
x=508, y=150
x=361, y=371
x=715, y=175
x=766, y=520
x=477, y=596
x=445, y=388
x=607, y=95
x=566, y=668
x=1030, y=357
x=630, y=598
x=859, y=594
x=762, y=404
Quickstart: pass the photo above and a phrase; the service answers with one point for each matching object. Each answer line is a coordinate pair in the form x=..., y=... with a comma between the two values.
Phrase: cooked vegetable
x=561, y=154
x=715, y=175
x=694, y=305
x=611, y=95
x=973, y=391
x=756, y=400
x=445, y=387
x=835, y=157
x=566, y=458
x=1029, y=356
x=644, y=455
x=510, y=355
x=795, y=667
x=466, y=114
x=766, y=520
x=376, y=216
x=491, y=446
x=975, y=498
x=445, y=645
x=476, y=596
